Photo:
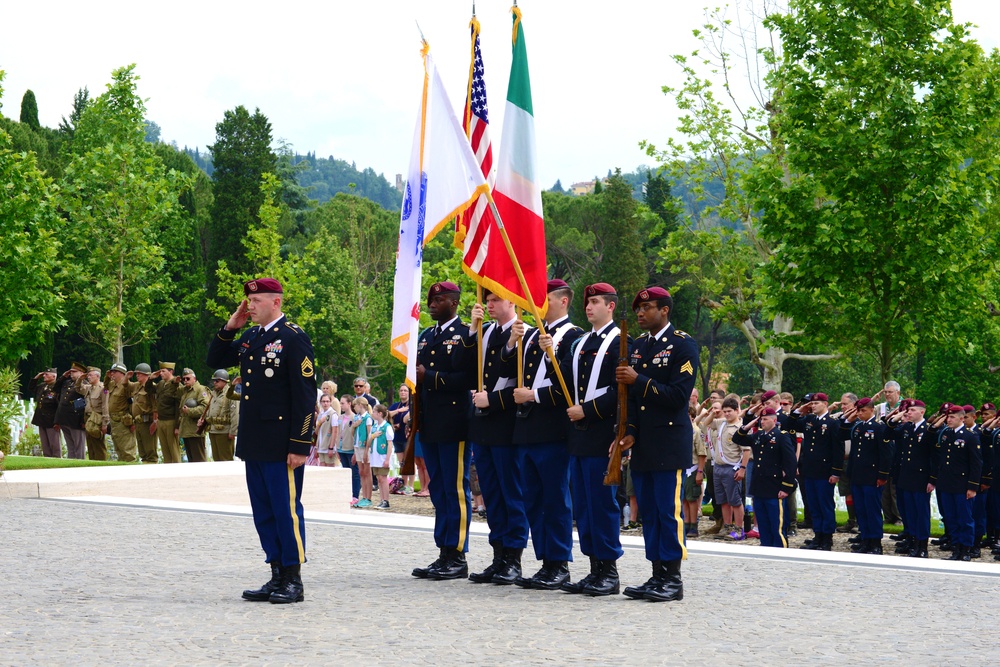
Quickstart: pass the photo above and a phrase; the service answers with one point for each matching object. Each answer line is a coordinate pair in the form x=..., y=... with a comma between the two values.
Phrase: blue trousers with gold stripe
x=276, y=501
x=819, y=499
x=545, y=469
x=956, y=510
x=771, y=513
x=595, y=508
x=868, y=508
x=500, y=482
x=448, y=467
x=915, y=508
x=659, y=495
x=979, y=510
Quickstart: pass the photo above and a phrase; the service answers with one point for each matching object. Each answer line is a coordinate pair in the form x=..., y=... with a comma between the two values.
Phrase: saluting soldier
x=445, y=375
x=661, y=375
x=167, y=390
x=194, y=403
x=821, y=463
x=540, y=437
x=773, y=479
x=120, y=412
x=491, y=431
x=277, y=372
x=915, y=446
x=96, y=418
x=70, y=413
x=222, y=418
x=143, y=413
x=43, y=387
x=868, y=468
x=590, y=369
x=981, y=501
x=957, y=475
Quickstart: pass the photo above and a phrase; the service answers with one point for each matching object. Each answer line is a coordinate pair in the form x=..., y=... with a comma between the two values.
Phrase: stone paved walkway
x=89, y=584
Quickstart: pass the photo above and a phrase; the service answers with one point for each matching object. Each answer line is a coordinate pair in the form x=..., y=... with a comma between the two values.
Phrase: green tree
x=80, y=101
x=29, y=110
x=241, y=155
x=881, y=201
x=619, y=243
x=117, y=197
x=30, y=300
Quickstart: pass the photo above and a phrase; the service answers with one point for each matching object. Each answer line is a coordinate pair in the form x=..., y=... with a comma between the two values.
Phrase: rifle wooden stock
x=613, y=475
x=408, y=465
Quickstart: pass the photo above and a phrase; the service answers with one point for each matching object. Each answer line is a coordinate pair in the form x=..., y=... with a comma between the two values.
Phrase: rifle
x=613, y=475
x=408, y=466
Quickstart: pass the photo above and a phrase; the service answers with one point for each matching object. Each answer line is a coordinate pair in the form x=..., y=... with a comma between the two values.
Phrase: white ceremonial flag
x=443, y=180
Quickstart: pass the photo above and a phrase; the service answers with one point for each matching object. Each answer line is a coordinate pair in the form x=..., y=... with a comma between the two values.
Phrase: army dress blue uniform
x=990, y=442
x=540, y=439
x=447, y=353
x=595, y=506
x=774, y=471
x=914, y=460
x=980, y=504
x=820, y=458
x=869, y=463
x=666, y=364
x=491, y=432
x=958, y=469
x=277, y=371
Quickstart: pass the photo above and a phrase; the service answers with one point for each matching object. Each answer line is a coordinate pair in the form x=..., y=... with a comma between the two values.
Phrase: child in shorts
x=379, y=440
x=362, y=448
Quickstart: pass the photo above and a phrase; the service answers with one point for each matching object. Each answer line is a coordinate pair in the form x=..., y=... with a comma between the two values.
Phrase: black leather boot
x=958, y=552
x=486, y=576
x=510, y=568
x=919, y=549
x=263, y=594
x=639, y=592
x=976, y=550
x=556, y=575
x=454, y=566
x=815, y=544
x=874, y=547
x=904, y=545
x=528, y=582
x=290, y=589
x=577, y=586
x=670, y=588
x=606, y=582
x=424, y=572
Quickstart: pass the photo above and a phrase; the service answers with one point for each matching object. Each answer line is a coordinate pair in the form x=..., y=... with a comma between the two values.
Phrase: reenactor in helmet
x=144, y=413
x=119, y=392
x=194, y=402
x=222, y=418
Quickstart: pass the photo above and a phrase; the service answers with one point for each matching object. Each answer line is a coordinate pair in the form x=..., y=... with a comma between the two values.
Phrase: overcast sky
x=343, y=78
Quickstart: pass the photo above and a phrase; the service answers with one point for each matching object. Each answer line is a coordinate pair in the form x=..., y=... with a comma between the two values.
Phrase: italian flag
x=517, y=193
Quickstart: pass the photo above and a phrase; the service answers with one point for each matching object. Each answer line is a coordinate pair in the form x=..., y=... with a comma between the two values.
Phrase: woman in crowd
x=345, y=446
x=398, y=412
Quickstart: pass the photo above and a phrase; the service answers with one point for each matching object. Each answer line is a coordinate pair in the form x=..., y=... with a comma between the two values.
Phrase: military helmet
x=190, y=403
x=221, y=374
x=143, y=368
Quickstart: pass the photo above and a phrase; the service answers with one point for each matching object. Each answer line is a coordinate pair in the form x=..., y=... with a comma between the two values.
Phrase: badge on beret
x=644, y=295
x=436, y=289
x=252, y=285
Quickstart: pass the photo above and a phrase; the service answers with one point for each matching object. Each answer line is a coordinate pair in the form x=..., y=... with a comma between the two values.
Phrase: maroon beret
x=968, y=408
x=555, y=284
x=768, y=412
x=988, y=406
x=598, y=289
x=905, y=403
x=946, y=406
x=444, y=287
x=955, y=409
x=649, y=294
x=768, y=395
x=917, y=403
x=820, y=396
x=863, y=402
x=262, y=286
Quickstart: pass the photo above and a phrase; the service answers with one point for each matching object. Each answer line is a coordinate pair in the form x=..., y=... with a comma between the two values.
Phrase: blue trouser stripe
x=270, y=500
x=770, y=513
x=595, y=508
x=545, y=470
x=451, y=509
x=500, y=482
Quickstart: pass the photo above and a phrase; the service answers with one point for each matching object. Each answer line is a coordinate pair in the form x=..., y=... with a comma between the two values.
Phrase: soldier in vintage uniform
x=821, y=463
x=96, y=419
x=166, y=387
x=222, y=418
x=957, y=475
x=194, y=401
x=540, y=438
x=590, y=370
x=661, y=374
x=120, y=412
x=445, y=376
x=70, y=413
x=491, y=431
x=43, y=388
x=773, y=479
x=277, y=373
x=868, y=468
x=914, y=459
x=143, y=413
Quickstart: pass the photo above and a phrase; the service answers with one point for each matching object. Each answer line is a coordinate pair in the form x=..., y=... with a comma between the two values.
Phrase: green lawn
x=936, y=530
x=41, y=462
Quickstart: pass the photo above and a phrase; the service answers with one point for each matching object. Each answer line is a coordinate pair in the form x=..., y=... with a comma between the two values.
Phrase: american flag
x=472, y=230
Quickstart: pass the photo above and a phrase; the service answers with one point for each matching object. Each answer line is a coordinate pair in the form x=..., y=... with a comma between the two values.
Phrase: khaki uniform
x=223, y=419
x=120, y=412
x=188, y=423
x=143, y=409
x=95, y=418
x=168, y=395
